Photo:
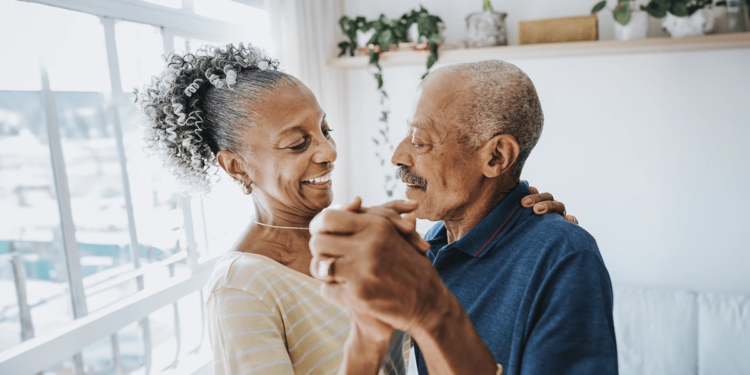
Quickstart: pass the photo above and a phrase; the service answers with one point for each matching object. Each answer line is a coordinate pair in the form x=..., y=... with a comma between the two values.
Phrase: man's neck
x=469, y=215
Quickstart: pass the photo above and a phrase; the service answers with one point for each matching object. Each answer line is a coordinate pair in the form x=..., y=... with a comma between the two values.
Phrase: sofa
x=681, y=332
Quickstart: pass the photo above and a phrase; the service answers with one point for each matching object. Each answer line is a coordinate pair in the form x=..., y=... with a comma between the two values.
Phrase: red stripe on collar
x=497, y=231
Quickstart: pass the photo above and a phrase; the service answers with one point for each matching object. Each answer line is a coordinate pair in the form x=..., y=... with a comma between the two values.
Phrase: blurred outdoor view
x=70, y=47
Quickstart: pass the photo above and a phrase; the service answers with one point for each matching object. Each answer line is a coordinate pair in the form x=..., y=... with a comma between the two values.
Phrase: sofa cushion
x=723, y=334
x=656, y=331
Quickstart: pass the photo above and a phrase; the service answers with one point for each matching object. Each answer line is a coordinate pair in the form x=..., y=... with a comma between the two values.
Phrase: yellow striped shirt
x=266, y=318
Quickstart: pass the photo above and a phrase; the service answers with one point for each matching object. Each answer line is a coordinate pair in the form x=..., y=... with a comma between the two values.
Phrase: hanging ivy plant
x=388, y=33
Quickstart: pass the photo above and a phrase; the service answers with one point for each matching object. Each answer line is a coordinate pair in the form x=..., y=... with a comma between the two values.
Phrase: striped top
x=265, y=318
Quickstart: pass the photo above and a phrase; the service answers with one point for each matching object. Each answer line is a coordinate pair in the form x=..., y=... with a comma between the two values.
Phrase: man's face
x=441, y=174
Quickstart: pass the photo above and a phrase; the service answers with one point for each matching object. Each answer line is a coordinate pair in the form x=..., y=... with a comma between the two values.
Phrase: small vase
x=364, y=37
x=637, y=28
x=413, y=33
x=486, y=29
x=695, y=25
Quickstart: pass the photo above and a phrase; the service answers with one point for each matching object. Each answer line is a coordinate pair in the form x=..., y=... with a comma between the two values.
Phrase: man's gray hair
x=503, y=100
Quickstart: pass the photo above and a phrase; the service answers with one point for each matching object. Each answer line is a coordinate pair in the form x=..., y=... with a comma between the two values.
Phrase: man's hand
x=376, y=270
x=545, y=203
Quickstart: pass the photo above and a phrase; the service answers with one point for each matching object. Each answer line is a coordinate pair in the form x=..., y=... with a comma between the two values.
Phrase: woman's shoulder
x=252, y=273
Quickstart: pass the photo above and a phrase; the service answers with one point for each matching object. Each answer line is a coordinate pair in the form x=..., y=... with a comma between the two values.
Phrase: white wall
x=648, y=151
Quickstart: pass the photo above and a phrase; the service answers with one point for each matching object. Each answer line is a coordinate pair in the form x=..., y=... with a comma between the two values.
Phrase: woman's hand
x=545, y=203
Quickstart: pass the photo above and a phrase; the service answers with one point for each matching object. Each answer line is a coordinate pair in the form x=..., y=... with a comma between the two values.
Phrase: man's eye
x=417, y=145
x=327, y=132
x=300, y=147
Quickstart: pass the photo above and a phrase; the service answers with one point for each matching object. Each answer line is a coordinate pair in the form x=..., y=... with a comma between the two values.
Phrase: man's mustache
x=407, y=176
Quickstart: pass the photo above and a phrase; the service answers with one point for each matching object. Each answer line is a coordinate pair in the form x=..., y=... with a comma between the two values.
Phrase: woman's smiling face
x=289, y=153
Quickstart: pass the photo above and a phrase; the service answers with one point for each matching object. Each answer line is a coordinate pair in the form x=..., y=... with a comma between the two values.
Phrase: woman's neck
x=290, y=247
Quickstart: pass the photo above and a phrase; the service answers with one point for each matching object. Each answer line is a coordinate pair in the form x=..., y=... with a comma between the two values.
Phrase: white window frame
x=36, y=354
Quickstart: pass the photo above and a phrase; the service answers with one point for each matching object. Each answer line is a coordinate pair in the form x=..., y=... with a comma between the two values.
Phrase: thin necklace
x=275, y=226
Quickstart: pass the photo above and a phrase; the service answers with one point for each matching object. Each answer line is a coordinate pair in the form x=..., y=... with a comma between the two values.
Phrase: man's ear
x=232, y=164
x=501, y=153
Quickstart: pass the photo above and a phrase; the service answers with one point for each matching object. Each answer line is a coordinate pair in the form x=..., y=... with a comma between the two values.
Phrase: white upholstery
x=723, y=334
x=656, y=331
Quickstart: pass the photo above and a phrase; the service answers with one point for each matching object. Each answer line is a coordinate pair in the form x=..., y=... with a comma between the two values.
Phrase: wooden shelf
x=539, y=51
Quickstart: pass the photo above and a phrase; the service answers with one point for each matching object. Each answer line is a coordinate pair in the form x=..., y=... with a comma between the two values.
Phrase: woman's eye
x=327, y=132
x=300, y=147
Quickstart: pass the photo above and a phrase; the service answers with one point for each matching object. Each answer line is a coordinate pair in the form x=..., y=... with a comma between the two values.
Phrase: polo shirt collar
x=489, y=231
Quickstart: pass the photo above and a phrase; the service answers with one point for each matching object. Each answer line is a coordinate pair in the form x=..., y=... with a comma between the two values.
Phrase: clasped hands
x=375, y=265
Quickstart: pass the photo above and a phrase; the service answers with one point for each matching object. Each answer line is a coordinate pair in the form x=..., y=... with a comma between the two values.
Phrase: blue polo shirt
x=535, y=288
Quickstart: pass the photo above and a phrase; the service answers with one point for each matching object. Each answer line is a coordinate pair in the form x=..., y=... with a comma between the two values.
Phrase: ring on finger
x=325, y=269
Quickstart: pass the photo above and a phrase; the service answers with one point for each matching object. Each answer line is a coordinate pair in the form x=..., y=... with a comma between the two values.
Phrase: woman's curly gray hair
x=201, y=103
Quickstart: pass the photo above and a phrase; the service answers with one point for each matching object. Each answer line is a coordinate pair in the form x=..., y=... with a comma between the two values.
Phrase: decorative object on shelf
x=486, y=28
x=350, y=27
x=558, y=30
x=738, y=18
x=682, y=18
x=383, y=35
x=630, y=23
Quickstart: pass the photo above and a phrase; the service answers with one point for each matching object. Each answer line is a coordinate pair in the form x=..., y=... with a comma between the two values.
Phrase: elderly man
x=500, y=285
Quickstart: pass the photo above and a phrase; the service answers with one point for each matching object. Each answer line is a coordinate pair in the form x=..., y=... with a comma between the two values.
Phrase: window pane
x=30, y=220
x=139, y=51
x=254, y=20
x=72, y=47
x=79, y=78
x=176, y=4
x=190, y=45
x=157, y=203
x=19, y=67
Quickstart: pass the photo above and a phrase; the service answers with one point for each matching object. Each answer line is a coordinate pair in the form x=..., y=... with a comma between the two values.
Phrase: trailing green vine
x=387, y=34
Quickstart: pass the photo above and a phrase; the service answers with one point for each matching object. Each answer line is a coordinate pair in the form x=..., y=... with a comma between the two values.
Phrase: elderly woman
x=231, y=108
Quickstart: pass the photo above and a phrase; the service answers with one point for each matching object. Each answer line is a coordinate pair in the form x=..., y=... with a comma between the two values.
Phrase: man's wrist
x=450, y=343
x=361, y=356
x=447, y=312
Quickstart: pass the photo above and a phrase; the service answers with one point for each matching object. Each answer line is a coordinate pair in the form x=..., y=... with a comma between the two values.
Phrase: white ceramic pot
x=413, y=33
x=680, y=27
x=363, y=38
x=486, y=29
x=637, y=28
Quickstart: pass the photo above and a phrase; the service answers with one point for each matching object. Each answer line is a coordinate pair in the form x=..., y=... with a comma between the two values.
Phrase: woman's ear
x=235, y=168
x=501, y=153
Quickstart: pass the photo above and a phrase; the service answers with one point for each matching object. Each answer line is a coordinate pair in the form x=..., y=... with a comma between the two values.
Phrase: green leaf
x=374, y=57
x=657, y=8
x=679, y=9
x=487, y=5
x=435, y=39
x=622, y=15
x=431, y=61
x=379, y=78
x=385, y=39
x=599, y=6
x=425, y=75
x=343, y=46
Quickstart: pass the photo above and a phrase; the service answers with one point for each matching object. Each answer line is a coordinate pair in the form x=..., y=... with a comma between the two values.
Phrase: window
x=31, y=246
x=67, y=121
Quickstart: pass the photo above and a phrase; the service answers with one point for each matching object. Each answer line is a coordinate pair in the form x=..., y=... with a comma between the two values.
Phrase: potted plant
x=682, y=17
x=486, y=28
x=630, y=22
x=375, y=37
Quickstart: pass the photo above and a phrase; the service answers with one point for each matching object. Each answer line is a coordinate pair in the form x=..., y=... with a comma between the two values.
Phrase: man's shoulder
x=557, y=235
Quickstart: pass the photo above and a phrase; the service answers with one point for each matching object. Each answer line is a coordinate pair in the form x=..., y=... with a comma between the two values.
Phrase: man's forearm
x=361, y=356
x=451, y=345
